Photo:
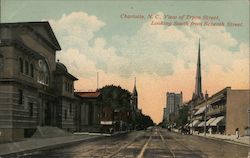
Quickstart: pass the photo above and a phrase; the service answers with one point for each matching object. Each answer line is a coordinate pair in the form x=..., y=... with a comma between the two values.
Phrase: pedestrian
x=210, y=130
x=237, y=133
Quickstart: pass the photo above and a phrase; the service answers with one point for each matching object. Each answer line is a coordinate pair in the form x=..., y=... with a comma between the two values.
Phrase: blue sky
x=109, y=11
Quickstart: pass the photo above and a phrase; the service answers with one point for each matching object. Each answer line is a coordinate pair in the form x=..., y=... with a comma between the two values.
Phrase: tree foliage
x=115, y=96
x=143, y=121
x=183, y=116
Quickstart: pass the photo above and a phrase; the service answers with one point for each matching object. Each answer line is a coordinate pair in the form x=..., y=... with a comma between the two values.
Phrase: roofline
x=66, y=74
x=77, y=93
x=56, y=47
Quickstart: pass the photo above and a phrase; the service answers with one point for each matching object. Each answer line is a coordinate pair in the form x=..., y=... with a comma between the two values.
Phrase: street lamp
x=205, y=118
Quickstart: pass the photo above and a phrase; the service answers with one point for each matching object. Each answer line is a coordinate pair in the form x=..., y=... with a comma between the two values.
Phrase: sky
x=95, y=36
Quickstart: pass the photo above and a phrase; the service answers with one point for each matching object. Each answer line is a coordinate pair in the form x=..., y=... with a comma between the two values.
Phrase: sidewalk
x=32, y=144
x=231, y=139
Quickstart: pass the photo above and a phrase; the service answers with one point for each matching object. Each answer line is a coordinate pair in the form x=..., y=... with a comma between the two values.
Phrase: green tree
x=183, y=116
x=115, y=96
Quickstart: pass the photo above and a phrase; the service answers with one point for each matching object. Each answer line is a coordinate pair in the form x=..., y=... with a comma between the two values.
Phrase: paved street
x=148, y=144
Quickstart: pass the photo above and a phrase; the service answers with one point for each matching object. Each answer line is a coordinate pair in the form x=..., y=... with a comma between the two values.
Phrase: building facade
x=226, y=111
x=173, y=103
x=30, y=80
x=89, y=111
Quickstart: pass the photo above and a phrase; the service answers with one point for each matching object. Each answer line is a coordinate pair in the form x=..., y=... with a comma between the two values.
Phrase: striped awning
x=217, y=120
x=210, y=121
x=201, y=124
x=194, y=123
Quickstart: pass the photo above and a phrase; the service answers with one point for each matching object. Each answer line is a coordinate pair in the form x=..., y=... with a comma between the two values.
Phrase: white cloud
x=152, y=49
x=76, y=29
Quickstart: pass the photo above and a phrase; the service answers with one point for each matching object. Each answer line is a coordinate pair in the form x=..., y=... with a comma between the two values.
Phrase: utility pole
x=205, y=118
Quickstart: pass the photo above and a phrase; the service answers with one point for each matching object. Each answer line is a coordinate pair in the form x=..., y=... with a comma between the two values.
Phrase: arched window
x=21, y=65
x=43, y=73
x=31, y=70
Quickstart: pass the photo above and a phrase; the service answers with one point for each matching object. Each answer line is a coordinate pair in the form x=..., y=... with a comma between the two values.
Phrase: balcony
x=221, y=109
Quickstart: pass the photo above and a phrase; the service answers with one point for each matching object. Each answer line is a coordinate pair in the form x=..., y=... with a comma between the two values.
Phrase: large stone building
x=35, y=90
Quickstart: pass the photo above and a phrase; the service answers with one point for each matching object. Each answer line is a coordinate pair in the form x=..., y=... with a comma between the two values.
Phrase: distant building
x=173, y=102
x=89, y=111
x=166, y=114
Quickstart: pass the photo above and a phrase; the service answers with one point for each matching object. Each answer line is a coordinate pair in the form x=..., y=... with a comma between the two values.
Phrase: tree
x=115, y=96
x=183, y=116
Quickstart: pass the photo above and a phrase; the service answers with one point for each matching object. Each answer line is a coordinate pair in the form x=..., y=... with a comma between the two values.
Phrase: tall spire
x=135, y=91
x=135, y=96
x=198, y=86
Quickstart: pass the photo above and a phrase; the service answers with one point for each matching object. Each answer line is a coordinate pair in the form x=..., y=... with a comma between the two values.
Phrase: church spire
x=198, y=85
x=135, y=91
x=135, y=96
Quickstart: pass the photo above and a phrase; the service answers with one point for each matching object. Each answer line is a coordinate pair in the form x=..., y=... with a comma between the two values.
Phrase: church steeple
x=198, y=85
x=135, y=96
x=135, y=90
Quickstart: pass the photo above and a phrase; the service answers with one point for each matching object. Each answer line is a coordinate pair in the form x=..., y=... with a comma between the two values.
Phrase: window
x=26, y=68
x=65, y=114
x=31, y=70
x=66, y=86
x=70, y=108
x=1, y=61
x=70, y=90
x=43, y=73
x=21, y=65
x=20, y=93
x=30, y=109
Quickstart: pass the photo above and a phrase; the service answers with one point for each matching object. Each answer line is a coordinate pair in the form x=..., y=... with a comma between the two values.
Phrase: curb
x=52, y=146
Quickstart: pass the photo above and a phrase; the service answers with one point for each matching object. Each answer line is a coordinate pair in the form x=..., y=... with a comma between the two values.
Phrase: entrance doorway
x=48, y=113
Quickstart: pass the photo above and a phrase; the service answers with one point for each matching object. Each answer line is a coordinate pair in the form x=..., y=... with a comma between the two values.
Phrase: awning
x=215, y=101
x=210, y=121
x=201, y=124
x=186, y=125
x=217, y=120
x=194, y=123
x=107, y=122
x=201, y=110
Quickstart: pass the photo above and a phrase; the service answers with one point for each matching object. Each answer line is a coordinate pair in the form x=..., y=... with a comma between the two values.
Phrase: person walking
x=237, y=133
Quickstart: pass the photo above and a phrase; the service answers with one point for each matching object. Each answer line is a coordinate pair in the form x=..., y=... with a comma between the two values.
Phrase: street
x=155, y=142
